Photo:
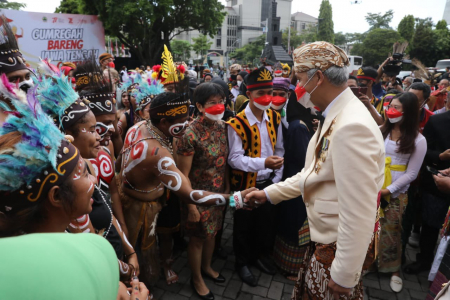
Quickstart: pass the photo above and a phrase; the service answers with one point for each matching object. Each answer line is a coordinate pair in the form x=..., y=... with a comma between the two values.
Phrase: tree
x=181, y=50
x=376, y=46
x=249, y=52
x=441, y=25
x=69, y=7
x=12, y=5
x=380, y=21
x=296, y=39
x=422, y=42
x=144, y=26
x=406, y=27
x=340, y=39
x=326, y=26
x=201, y=45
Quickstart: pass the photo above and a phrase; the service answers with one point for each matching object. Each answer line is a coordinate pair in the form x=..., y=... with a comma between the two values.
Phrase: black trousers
x=253, y=232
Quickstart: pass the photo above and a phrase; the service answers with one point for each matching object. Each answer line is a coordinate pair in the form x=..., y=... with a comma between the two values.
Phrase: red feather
x=156, y=68
x=182, y=69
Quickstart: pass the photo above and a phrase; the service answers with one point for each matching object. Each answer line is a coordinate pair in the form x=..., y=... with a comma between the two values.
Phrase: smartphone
x=357, y=90
x=433, y=170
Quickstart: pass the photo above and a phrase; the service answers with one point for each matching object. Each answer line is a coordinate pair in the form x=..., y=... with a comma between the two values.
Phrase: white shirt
x=401, y=180
x=237, y=159
x=235, y=93
x=325, y=112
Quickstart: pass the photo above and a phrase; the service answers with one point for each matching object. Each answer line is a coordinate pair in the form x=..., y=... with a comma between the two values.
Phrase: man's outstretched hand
x=255, y=198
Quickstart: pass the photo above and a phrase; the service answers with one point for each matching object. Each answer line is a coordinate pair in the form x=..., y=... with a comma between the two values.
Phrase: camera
x=394, y=66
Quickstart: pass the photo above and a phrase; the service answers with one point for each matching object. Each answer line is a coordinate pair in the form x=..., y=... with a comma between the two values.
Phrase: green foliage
x=69, y=7
x=340, y=39
x=357, y=49
x=376, y=46
x=307, y=35
x=423, y=42
x=12, y=5
x=406, y=27
x=326, y=26
x=380, y=21
x=181, y=50
x=144, y=26
x=441, y=25
x=249, y=52
x=201, y=45
x=355, y=37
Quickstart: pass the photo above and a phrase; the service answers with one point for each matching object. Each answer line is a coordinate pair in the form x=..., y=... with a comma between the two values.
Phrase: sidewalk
x=376, y=286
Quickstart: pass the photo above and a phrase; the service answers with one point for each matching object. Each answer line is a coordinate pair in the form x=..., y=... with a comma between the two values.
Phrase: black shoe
x=246, y=276
x=218, y=279
x=417, y=267
x=265, y=267
x=221, y=253
x=209, y=296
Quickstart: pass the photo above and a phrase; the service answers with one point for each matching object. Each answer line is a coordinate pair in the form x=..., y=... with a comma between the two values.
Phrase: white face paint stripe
x=90, y=188
x=166, y=162
x=220, y=199
x=124, y=268
x=153, y=226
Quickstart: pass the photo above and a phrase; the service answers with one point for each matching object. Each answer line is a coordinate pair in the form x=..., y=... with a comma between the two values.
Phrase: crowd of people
x=104, y=175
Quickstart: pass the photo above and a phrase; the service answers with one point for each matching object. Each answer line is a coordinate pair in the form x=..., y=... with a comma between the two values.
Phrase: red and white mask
x=394, y=115
x=263, y=102
x=278, y=102
x=215, y=112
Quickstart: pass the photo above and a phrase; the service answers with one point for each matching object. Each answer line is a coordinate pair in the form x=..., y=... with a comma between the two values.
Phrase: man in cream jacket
x=343, y=174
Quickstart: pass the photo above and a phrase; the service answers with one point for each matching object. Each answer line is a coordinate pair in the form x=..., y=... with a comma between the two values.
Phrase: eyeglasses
x=393, y=106
x=215, y=103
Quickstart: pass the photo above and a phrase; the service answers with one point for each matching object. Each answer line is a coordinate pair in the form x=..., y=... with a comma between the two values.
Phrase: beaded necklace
x=160, y=137
x=105, y=234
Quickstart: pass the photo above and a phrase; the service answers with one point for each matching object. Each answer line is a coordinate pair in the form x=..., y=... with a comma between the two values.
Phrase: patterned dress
x=207, y=142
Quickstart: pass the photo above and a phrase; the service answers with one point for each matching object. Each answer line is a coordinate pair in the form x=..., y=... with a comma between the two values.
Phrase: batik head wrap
x=319, y=55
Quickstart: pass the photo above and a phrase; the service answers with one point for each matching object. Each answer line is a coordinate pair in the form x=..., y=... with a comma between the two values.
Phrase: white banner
x=58, y=37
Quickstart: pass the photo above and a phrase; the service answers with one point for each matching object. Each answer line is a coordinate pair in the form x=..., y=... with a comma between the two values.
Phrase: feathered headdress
x=10, y=57
x=422, y=72
x=146, y=91
x=41, y=159
x=92, y=85
x=59, y=100
x=168, y=72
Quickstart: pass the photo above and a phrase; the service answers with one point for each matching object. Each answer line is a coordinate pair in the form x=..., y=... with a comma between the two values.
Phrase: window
x=274, y=27
x=219, y=31
x=303, y=26
x=275, y=41
x=219, y=43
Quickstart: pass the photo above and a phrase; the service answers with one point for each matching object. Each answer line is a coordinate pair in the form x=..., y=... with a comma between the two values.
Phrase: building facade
x=246, y=20
x=302, y=21
x=446, y=16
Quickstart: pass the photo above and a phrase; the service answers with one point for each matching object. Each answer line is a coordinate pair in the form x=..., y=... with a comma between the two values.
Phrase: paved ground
x=277, y=286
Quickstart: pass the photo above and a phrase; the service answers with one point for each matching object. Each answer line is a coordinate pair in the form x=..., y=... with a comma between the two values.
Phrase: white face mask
x=26, y=84
x=239, y=82
x=305, y=100
x=395, y=120
x=214, y=117
x=261, y=107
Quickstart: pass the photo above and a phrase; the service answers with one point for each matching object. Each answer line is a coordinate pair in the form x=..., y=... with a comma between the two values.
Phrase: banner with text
x=58, y=37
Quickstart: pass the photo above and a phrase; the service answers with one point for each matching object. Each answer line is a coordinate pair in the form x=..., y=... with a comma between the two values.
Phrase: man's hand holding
x=255, y=198
x=445, y=155
x=336, y=290
x=274, y=162
x=442, y=183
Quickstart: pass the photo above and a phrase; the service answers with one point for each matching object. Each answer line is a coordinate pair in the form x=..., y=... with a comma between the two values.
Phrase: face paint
x=124, y=268
x=220, y=199
x=90, y=187
x=82, y=224
x=77, y=174
x=26, y=84
x=163, y=164
x=177, y=130
x=102, y=129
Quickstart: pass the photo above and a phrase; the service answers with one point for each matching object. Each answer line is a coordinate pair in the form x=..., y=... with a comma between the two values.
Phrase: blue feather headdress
x=41, y=158
x=146, y=91
x=59, y=100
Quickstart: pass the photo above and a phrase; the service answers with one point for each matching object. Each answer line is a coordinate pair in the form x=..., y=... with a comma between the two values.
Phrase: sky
x=347, y=17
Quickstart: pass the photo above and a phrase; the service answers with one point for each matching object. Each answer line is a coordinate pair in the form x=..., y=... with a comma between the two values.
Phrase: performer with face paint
x=12, y=64
x=129, y=117
x=256, y=158
x=75, y=118
x=148, y=172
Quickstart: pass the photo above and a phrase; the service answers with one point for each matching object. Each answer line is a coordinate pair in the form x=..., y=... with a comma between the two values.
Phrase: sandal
x=396, y=283
x=171, y=276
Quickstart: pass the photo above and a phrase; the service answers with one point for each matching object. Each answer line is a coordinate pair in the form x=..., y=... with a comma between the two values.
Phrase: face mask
x=177, y=130
x=263, y=102
x=102, y=129
x=111, y=65
x=26, y=84
x=278, y=102
x=233, y=77
x=239, y=83
x=215, y=112
x=394, y=115
x=303, y=97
